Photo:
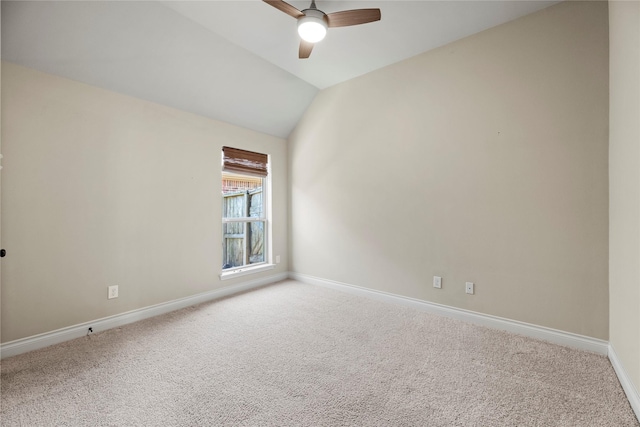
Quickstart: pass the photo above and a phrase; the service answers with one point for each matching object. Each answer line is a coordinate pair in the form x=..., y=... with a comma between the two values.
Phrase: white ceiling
x=234, y=61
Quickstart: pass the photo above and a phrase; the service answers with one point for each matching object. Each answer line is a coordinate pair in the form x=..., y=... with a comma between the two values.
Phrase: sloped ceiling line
x=234, y=61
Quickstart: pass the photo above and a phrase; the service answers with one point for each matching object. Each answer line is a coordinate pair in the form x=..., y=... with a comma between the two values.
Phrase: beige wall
x=484, y=160
x=624, y=175
x=102, y=189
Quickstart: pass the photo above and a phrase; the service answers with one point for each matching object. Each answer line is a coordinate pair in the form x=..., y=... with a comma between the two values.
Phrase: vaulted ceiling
x=234, y=61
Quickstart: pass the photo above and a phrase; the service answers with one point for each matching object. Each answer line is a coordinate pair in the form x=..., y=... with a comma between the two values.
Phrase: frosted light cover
x=312, y=29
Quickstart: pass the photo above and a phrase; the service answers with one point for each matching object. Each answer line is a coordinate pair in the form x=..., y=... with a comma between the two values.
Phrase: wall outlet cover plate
x=469, y=288
x=437, y=282
x=113, y=292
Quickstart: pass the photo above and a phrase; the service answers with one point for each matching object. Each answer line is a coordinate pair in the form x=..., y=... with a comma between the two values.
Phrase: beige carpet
x=297, y=355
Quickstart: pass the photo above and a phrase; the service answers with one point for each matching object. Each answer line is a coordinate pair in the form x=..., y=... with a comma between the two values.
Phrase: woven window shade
x=244, y=162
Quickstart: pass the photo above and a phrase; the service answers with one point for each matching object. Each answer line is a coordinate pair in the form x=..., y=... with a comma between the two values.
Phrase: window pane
x=233, y=253
x=234, y=205
x=257, y=242
x=255, y=203
x=242, y=196
x=237, y=235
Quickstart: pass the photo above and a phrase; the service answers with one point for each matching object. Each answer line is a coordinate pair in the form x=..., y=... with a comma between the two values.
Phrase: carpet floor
x=292, y=354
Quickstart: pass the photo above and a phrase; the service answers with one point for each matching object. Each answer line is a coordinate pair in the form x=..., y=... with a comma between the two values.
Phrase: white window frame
x=267, y=264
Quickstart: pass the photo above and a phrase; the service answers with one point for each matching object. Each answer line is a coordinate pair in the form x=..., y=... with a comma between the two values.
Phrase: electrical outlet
x=113, y=292
x=469, y=288
x=277, y=259
x=437, y=282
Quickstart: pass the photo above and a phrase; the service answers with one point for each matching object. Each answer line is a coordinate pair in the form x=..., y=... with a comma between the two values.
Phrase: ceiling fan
x=313, y=23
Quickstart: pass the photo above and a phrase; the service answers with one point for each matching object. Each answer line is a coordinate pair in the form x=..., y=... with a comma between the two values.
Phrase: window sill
x=243, y=271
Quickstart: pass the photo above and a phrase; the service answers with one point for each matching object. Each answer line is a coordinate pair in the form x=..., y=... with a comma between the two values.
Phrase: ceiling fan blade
x=353, y=17
x=285, y=7
x=305, y=49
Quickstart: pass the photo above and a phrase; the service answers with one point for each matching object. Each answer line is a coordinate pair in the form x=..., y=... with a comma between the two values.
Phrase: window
x=244, y=211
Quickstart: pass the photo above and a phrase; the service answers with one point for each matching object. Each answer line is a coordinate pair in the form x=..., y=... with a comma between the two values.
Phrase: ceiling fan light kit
x=312, y=27
x=313, y=23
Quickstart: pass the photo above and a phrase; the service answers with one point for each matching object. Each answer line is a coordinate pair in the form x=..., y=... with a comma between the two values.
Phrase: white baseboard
x=540, y=332
x=627, y=385
x=35, y=342
x=13, y=348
